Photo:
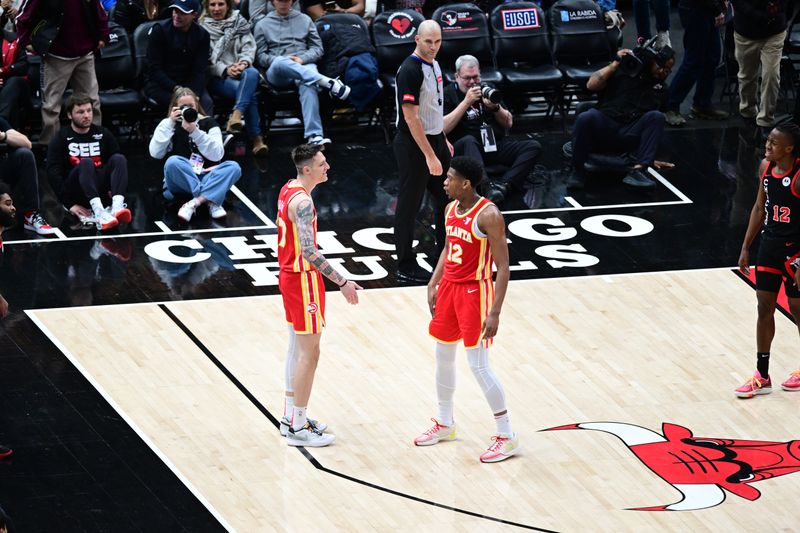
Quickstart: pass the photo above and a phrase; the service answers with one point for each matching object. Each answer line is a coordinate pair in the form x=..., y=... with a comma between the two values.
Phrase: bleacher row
x=523, y=51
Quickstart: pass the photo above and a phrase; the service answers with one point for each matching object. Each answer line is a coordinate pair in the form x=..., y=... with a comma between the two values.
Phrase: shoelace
x=795, y=374
x=436, y=427
x=498, y=443
x=755, y=383
x=38, y=219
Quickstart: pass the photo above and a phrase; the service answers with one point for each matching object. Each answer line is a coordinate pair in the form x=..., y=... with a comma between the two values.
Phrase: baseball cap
x=187, y=6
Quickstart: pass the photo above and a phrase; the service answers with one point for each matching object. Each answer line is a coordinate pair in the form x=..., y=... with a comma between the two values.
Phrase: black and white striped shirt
x=420, y=83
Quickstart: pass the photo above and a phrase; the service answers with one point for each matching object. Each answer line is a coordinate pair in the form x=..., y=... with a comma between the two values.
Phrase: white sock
x=445, y=381
x=503, y=424
x=288, y=404
x=291, y=360
x=298, y=417
x=97, y=205
x=117, y=202
x=478, y=359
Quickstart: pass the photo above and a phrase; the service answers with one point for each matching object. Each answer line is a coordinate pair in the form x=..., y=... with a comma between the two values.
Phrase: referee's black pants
x=414, y=179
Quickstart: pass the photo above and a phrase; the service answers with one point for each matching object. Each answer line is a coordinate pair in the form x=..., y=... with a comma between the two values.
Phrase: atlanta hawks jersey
x=468, y=256
x=782, y=206
x=290, y=258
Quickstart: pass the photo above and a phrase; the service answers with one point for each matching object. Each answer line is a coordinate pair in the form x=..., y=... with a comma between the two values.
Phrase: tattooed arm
x=303, y=211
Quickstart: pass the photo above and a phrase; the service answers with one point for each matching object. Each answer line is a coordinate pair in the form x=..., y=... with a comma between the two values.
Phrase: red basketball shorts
x=303, y=300
x=460, y=311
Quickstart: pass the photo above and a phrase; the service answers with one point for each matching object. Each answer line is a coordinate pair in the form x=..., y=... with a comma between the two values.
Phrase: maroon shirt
x=78, y=35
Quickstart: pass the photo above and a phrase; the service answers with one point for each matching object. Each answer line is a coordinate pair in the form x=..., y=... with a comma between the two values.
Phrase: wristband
x=343, y=284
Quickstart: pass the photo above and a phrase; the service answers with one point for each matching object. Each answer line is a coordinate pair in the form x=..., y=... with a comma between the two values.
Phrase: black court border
x=319, y=466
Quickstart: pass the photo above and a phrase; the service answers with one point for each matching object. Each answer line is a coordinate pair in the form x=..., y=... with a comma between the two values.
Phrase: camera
x=632, y=64
x=188, y=113
x=491, y=94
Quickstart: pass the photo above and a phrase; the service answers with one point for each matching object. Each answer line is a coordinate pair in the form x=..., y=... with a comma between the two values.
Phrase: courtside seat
x=522, y=48
x=580, y=40
x=116, y=74
x=465, y=30
x=393, y=34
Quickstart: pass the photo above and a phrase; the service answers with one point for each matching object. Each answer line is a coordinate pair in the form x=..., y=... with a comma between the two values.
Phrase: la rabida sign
x=535, y=242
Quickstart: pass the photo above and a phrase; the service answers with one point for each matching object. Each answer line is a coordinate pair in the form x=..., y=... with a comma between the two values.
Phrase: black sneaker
x=417, y=275
x=639, y=180
x=709, y=113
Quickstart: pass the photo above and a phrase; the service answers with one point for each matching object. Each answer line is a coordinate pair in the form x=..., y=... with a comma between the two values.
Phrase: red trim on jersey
x=772, y=174
x=409, y=98
x=791, y=185
x=769, y=270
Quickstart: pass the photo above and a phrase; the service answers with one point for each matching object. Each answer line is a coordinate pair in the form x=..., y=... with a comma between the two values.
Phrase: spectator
x=255, y=10
x=177, y=55
x=641, y=12
x=131, y=13
x=66, y=33
x=627, y=117
x=14, y=89
x=192, y=144
x=86, y=168
x=759, y=32
x=316, y=8
x=477, y=128
x=233, y=50
x=8, y=12
x=18, y=170
x=702, y=50
x=288, y=46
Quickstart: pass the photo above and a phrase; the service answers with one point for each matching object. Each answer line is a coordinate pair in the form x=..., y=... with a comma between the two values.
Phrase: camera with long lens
x=633, y=63
x=188, y=113
x=491, y=94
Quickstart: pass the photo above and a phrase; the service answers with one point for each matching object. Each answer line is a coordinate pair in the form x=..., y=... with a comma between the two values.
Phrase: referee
x=420, y=147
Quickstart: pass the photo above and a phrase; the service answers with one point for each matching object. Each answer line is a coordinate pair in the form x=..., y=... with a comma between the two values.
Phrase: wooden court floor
x=202, y=383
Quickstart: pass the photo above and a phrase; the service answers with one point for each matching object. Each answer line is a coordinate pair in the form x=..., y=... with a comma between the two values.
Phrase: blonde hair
x=181, y=92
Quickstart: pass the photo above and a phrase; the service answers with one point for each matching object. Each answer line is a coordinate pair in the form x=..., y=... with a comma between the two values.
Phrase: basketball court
x=152, y=386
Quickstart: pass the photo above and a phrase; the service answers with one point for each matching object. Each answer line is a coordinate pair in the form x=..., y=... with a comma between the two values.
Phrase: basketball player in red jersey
x=776, y=213
x=466, y=305
x=300, y=281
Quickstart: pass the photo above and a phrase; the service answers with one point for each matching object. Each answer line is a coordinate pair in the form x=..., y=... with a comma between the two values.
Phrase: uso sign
x=520, y=19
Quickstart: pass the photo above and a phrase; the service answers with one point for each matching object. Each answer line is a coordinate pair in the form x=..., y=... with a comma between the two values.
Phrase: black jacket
x=130, y=14
x=178, y=58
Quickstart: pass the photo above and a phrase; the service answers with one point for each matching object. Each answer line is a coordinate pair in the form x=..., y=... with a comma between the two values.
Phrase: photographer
x=476, y=123
x=628, y=115
x=192, y=143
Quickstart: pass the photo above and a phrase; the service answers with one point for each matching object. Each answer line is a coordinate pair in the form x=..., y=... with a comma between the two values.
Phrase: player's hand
x=3, y=307
x=473, y=95
x=744, y=262
x=490, y=325
x=663, y=164
x=349, y=291
x=434, y=166
x=432, y=298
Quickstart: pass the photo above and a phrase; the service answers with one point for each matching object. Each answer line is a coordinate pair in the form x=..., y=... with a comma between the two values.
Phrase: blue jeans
x=701, y=54
x=179, y=178
x=641, y=11
x=283, y=73
x=243, y=92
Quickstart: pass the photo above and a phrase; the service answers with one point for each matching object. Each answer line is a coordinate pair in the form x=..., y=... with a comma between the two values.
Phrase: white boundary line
x=246, y=201
x=577, y=207
x=163, y=226
x=60, y=234
x=129, y=420
x=146, y=234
